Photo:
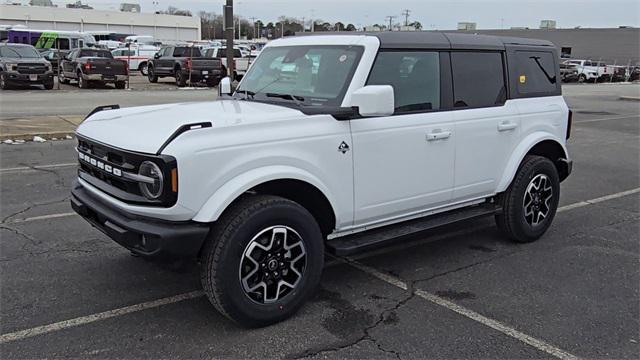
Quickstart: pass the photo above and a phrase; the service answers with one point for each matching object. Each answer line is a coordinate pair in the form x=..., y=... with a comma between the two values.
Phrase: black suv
x=22, y=65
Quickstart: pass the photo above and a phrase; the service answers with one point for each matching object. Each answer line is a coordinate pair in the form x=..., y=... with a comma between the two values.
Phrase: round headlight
x=151, y=190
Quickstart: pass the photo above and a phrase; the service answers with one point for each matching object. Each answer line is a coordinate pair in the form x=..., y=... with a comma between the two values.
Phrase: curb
x=629, y=98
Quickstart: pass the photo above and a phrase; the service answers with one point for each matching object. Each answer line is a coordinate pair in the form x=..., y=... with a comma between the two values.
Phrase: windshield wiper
x=296, y=98
x=246, y=93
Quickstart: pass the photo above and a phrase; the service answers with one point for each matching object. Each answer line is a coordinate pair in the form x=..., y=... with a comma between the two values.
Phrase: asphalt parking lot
x=457, y=292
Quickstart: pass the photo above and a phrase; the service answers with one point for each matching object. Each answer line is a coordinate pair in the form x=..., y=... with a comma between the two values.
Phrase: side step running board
x=383, y=236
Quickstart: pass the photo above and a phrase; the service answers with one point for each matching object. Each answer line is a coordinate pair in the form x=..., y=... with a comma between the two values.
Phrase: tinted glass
x=478, y=79
x=186, y=52
x=96, y=53
x=536, y=72
x=315, y=75
x=415, y=77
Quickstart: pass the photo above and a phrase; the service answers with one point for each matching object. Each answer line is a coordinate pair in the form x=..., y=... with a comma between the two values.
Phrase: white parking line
x=36, y=167
x=494, y=324
x=39, y=330
x=598, y=200
x=539, y=344
x=42, y=217
x=607, y=118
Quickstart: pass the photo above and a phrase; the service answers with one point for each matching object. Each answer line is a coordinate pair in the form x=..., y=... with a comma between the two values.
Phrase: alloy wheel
x=272, y=264
x=537, y=199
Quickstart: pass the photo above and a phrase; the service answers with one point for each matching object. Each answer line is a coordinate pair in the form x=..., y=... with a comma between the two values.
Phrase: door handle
x=438, y=135
x=506, y=126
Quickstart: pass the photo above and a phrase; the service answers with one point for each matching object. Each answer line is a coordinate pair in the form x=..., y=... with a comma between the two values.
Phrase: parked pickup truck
x=568, y=72
x=240, y=64
x=23, y=65
x=591, y=70
x=93, y=66
x=185, y=63
x=369, y=139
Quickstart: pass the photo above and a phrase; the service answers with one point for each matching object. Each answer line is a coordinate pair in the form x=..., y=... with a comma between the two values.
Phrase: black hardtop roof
x=441, y=40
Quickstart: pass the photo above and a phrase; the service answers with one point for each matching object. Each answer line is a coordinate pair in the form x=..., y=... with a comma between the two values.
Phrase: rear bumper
x=143, y=236
x=202, y=75
x=105, y=78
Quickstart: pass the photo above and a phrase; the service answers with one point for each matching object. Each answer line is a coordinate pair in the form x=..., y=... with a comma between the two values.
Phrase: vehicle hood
x=23, y=60
x=147, y=128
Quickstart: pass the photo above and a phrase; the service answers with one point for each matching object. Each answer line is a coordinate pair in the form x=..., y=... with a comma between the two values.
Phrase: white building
x=161, y=27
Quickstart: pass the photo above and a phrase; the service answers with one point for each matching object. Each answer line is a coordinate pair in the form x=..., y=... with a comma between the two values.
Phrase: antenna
x=406, y=13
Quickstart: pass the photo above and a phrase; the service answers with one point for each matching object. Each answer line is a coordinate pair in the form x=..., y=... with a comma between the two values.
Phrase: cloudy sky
x=433, y=14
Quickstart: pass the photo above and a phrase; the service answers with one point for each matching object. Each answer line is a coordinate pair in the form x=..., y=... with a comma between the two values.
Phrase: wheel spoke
x=536, y=203
x=272, y=264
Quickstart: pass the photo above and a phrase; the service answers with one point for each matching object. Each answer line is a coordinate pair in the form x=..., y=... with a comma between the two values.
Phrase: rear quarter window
x=536, y=73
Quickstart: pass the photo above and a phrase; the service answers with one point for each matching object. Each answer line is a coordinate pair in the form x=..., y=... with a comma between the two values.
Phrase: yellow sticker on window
x=523, y=79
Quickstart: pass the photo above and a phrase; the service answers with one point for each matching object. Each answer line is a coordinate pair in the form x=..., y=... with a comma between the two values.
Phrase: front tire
x=151, y=75
x=120, y=84
x=530, y=203
x=4, y=85
x=262, y=261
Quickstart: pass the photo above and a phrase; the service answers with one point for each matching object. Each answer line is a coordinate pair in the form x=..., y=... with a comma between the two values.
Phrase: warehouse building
x=619, y=46
x=162, y=27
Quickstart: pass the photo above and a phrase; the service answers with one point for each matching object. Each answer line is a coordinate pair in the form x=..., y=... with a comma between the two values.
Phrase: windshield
x=313, y=75
x=19, y=52
x=96, y=53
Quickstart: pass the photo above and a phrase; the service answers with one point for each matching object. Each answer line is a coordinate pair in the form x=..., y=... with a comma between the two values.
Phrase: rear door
x=404, y=163
x=487, y=125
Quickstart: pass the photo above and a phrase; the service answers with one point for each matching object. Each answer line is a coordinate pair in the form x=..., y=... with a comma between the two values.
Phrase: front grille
x=27, y=68
x=116, y=184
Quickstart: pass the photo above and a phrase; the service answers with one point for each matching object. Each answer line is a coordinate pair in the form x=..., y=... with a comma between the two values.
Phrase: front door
x=404, y=163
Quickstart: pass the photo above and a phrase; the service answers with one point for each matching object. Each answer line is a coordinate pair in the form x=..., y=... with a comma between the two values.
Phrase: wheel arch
x=541, y=144
x=291, y=183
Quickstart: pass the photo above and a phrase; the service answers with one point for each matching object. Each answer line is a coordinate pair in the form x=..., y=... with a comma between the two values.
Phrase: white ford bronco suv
x=335, y=143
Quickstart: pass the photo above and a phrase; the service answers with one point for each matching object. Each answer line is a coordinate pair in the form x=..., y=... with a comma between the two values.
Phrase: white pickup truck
x=338, y=143
x=591, y=70
x=240, y=64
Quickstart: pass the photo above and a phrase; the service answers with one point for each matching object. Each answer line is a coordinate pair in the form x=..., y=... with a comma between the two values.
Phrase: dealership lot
x=457, y=292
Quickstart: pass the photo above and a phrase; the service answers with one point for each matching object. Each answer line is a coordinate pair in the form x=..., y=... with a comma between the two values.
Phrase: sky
x=433, y=14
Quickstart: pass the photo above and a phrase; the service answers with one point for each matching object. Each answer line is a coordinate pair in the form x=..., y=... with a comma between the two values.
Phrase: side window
x=478, y=79
x=414, y=76
x=536, y=72
x=117, y=52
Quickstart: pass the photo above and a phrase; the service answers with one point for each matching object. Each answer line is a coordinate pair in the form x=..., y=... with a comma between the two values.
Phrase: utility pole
x=390, y=18
x=303, y=24
x=406, y=13
x=253, y=21
x=228, y=32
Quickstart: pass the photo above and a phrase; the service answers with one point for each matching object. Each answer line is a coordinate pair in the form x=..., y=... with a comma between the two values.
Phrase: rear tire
x=48, y=85
x=144, y=68
x=260, y=242
x=151, y=75
x=213, y=82
x=120, y=84
x=82, y=83
x=530, y=203
x=180, y=79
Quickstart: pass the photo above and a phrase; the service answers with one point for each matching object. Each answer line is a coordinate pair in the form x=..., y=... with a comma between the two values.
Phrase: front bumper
x=566, y=167
x=16, y=77
x=105, y=78
x=143, y=236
